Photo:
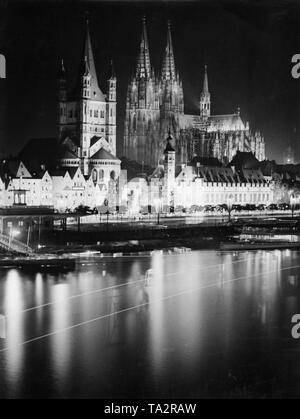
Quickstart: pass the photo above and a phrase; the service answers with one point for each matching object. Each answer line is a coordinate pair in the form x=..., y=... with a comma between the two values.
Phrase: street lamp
x=292, y=203
x=106, y=204
x=158, y=205
x=229, y=206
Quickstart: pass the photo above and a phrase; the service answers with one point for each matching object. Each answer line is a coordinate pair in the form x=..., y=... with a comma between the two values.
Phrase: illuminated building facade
x=156, y=104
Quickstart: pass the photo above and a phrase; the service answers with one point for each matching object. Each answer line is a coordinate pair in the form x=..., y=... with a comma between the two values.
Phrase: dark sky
x=247, y=46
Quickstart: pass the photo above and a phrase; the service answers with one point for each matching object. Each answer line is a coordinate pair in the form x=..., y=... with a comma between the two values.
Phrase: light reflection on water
x=207, y=324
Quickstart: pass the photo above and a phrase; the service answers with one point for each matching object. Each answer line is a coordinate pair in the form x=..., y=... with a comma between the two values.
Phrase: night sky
x=247, y=46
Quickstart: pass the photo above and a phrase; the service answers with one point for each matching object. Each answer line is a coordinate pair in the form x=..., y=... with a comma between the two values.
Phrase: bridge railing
x=9, y=243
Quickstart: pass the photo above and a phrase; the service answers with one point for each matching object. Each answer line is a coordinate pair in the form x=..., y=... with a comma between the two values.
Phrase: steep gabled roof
x=206, y=161
x=39, y=151
x=11, y=167
x=158, y=172
x=230, y=122
x=57, y=172
x=72, y=171
x=66, y=153
x=245, y=160
x=103, y=154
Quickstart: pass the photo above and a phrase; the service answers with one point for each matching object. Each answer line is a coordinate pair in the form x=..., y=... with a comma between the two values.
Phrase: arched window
x=113, y=175
x=101, y=175
x=95, y=175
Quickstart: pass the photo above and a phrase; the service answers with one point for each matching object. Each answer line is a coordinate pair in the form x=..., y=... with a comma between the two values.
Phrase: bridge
x=13, y=245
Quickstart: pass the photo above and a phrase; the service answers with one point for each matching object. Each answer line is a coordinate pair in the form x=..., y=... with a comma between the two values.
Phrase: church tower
x=87, y=117
x=169, y=173
x=86, y=112
x=142, y=109
x=205, y=97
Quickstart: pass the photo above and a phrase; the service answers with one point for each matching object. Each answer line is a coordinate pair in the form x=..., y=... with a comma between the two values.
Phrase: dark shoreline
x=132, y=241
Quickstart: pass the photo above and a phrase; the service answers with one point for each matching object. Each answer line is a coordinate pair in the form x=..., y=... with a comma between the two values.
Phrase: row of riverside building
x=169, y=186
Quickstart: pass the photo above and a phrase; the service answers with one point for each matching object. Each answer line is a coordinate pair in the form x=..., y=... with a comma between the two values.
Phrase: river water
x=208, y=324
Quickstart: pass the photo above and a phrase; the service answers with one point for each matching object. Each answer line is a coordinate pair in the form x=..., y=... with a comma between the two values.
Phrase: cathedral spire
x=111, y=72
x=61, y=70
x=205, y=97
x=168, y=66
x=62, y=81
x=88, y=57
x=205, y=90
x=143, y=68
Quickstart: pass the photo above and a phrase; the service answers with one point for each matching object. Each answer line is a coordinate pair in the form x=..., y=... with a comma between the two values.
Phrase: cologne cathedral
x=155, y=106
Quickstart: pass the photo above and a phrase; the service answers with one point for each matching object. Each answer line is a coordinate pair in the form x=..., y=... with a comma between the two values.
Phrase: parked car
x=272, y=207
x=284, y=206
x=208, y=208
x=84, y=209
x=261, y=207
x=237, y=207
x=249, y=207
x=179, y=208
x=195, y=208
x=220, y=209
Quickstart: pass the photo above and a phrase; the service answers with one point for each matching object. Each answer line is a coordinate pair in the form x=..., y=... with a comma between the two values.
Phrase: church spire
x=87, y=84
x=62, y=81
x=88, y=57
x=205, y=97
x=168, y=66
x=205, y=81
x=61, y=69
x=143, y=68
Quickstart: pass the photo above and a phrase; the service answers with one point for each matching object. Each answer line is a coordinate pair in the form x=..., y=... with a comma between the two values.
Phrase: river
x=208, y=324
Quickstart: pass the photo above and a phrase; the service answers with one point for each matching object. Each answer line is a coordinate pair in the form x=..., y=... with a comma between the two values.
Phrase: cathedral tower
x=171, y=97
x=142, y=109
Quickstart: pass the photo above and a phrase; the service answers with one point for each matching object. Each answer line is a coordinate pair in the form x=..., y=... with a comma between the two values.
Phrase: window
x=101, y=175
